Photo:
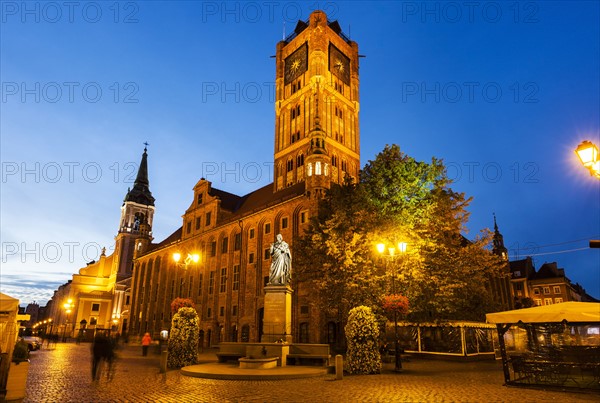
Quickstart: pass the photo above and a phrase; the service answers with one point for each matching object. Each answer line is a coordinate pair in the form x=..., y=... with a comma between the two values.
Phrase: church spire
x=498, y=242
x=141, y=188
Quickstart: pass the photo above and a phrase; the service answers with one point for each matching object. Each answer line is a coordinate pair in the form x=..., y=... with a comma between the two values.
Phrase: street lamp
x=381, y=247
x=190, y=258
x=67, y=306
x=588, y=155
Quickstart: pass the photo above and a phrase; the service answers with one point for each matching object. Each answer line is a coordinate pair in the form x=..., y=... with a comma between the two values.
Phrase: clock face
x=296, y=64
x=339, y=64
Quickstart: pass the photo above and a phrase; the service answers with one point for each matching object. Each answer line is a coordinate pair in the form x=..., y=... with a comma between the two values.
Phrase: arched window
x=318, y=168
x=309, y=169
x=326, y=169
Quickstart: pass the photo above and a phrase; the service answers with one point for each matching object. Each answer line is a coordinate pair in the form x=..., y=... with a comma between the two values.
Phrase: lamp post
x=391, y=255
x=67, y=306
x=588, y=155
x=190, y=258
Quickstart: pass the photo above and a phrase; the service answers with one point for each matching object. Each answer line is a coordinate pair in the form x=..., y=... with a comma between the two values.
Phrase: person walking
x=102, y=350
x=146, y=340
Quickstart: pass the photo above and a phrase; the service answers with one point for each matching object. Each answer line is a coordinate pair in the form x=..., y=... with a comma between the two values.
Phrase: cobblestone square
x=62, y=373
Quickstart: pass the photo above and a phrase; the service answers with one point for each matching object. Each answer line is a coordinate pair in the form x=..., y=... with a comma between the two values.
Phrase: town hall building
x=223, y=243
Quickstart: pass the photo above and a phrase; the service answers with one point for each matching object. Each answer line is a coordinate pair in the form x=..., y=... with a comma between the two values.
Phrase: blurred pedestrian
x=146, y=340
x=102, y=350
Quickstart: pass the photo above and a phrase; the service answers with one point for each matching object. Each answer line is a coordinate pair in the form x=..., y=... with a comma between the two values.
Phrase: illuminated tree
x=443, y=274
x=362, y=334
x=183, y=340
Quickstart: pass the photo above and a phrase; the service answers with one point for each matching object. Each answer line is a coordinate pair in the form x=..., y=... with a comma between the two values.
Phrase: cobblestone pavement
x=63, y=374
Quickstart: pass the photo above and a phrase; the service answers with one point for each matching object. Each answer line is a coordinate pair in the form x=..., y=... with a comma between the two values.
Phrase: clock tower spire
x=316, y=107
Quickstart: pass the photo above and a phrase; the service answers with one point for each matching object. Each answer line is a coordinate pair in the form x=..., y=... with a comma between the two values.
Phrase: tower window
x=295, y=137
x=309, y=169
x=295, y=112
x=199, y=198
x=318, y=168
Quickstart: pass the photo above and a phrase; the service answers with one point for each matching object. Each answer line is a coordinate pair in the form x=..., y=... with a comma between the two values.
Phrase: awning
x=569, y=311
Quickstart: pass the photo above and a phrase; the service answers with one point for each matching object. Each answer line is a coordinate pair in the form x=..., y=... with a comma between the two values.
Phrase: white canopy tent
x=9, y=309
x=570, y=311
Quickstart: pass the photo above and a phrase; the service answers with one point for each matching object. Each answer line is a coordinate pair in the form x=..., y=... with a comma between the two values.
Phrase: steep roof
x=241, y=206
x=524, y=266
x=141, y=188
x=550, y=270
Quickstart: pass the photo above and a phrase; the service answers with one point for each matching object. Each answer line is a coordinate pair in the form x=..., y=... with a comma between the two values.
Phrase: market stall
x=552, y=345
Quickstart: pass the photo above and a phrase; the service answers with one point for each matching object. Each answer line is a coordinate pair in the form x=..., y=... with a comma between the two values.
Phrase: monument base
x=277, y=320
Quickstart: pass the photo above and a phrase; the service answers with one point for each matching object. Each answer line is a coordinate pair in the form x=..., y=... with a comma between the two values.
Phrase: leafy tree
x=335, y=255
x=443, y=274
x=183, y=340
x=362, y=333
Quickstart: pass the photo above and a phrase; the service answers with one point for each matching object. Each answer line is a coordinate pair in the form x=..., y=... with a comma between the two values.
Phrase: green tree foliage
x=362, y=334
x=335, y=255
x=183, y=340
x=443, y=274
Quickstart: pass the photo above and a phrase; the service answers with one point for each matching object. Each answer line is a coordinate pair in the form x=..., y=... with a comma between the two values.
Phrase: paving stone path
x=63, y=374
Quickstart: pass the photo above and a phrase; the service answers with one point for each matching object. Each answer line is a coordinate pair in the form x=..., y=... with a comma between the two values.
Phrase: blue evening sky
x=503, y=92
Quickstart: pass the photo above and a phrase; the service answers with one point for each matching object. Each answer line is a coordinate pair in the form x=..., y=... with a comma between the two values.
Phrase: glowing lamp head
x=195, y=257
x=176, y=256
x=587, y=153
x=380, y=247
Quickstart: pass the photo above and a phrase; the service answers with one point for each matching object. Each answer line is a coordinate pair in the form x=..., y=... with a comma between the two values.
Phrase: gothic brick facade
x=224, y=239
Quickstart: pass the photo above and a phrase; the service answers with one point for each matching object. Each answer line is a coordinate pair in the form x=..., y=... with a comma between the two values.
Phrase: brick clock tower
x=316, y=107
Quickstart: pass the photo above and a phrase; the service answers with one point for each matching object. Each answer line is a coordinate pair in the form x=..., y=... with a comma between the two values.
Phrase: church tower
x=498, y=243
x=316, y=106
x=135, y=228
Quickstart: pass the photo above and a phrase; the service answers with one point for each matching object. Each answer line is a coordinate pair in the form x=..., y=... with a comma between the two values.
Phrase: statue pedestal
x=277, y=321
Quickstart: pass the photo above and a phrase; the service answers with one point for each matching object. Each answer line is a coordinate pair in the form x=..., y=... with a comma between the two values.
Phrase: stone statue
x=281, y=262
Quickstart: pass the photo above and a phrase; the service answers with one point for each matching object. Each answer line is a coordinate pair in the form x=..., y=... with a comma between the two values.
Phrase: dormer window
x=199, y=199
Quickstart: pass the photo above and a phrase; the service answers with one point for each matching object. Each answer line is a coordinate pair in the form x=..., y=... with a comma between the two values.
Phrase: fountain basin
x=258, y=363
